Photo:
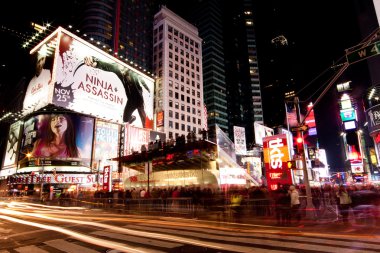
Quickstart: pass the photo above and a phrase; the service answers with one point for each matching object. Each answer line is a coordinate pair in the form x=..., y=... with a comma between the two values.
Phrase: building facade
x=177, y=57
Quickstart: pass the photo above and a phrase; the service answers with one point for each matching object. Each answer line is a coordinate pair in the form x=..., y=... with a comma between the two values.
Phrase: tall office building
x=230, y=66
x=125, y=27
x=242, y=71
x=177, y=58
x=207, y=16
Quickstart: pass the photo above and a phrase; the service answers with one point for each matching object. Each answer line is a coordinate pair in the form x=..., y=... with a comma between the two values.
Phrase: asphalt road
x=33, y=228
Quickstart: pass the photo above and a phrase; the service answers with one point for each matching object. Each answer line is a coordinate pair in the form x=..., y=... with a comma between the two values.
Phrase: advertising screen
x=348, y=114
x=240, y=141
x=92, y=82
x=348, y=125
x=276, y=155
x=106, y=143
x=40, y=83
x=13, y=144
x=57, y=139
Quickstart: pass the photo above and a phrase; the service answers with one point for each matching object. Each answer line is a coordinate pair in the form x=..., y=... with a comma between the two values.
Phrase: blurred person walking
x=344, y=203
x=295, y=203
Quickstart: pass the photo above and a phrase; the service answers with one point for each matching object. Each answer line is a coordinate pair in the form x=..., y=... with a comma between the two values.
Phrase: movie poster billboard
x=92, y=82
x=57, y=139
x=276, y=155
x=106, y=143
x=13, y=144
x=40, y=82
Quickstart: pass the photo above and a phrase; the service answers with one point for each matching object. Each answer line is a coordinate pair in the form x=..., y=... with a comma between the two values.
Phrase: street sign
x=301, y=128
x=363, y=53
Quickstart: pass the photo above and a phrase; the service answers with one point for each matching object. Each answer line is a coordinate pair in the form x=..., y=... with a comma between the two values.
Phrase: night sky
x=317, y=31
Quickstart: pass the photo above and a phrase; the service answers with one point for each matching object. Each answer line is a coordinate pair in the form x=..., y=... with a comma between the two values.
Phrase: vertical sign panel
x=276, y=154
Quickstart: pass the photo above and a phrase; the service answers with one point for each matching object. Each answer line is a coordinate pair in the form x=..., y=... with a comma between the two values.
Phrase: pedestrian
x=282, y=206
x=295, y=204
x=344, y=203
x=235, y=200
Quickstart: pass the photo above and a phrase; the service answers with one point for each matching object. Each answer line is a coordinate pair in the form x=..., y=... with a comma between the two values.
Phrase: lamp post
x=309, y=202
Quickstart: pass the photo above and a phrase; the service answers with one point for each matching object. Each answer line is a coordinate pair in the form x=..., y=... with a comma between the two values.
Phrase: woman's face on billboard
x=58, y=124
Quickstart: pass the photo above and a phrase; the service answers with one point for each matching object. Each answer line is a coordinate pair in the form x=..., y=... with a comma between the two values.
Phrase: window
x=170, y=114
x=170, y=93
x=176, y=125
x=170, y=124
x=176, y=115
x=170, y=103
x=176, y=105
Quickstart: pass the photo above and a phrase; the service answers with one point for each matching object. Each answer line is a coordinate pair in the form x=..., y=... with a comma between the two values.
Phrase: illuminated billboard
x=13, y=144
x=348, y=125
x=40, y=84
x=310, y=119
x=106, y=144
x=87, y=80
x=57, y=139
x=240, y=141
x=276, y=155
x=348, y=114
x=135, y=138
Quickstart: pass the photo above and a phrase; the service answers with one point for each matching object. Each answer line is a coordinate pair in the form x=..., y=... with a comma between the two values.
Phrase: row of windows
x=184, y=127
x=176, y=94
x=180, y=35
x=183, y=117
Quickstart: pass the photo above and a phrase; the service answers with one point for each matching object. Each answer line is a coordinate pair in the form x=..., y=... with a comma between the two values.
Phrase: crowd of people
x=287, y=204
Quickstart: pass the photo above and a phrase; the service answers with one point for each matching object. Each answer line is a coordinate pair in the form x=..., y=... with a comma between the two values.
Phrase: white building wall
x=177, y=50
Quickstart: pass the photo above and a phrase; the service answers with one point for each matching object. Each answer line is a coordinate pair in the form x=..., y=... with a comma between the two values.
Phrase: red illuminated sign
x=276, y=155
x=106, y=178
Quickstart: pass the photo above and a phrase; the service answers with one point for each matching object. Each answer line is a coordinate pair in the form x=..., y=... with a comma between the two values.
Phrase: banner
x=92, y=82
x=240, y=140
x=13, y=144
x=276, y=155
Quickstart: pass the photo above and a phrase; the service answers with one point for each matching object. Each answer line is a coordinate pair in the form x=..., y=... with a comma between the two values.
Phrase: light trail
x=118, y=229
x=79, y=236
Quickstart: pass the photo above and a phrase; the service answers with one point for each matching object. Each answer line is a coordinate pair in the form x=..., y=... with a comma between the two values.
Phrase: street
x=28, y=228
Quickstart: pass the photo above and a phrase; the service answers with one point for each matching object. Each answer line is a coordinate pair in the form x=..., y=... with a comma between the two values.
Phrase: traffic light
x=291, y=165
x=299, y=140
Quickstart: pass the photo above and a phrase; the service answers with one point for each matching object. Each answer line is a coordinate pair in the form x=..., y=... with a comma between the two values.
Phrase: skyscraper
x=177, y=64
x=230, y=65
x=124, y=26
